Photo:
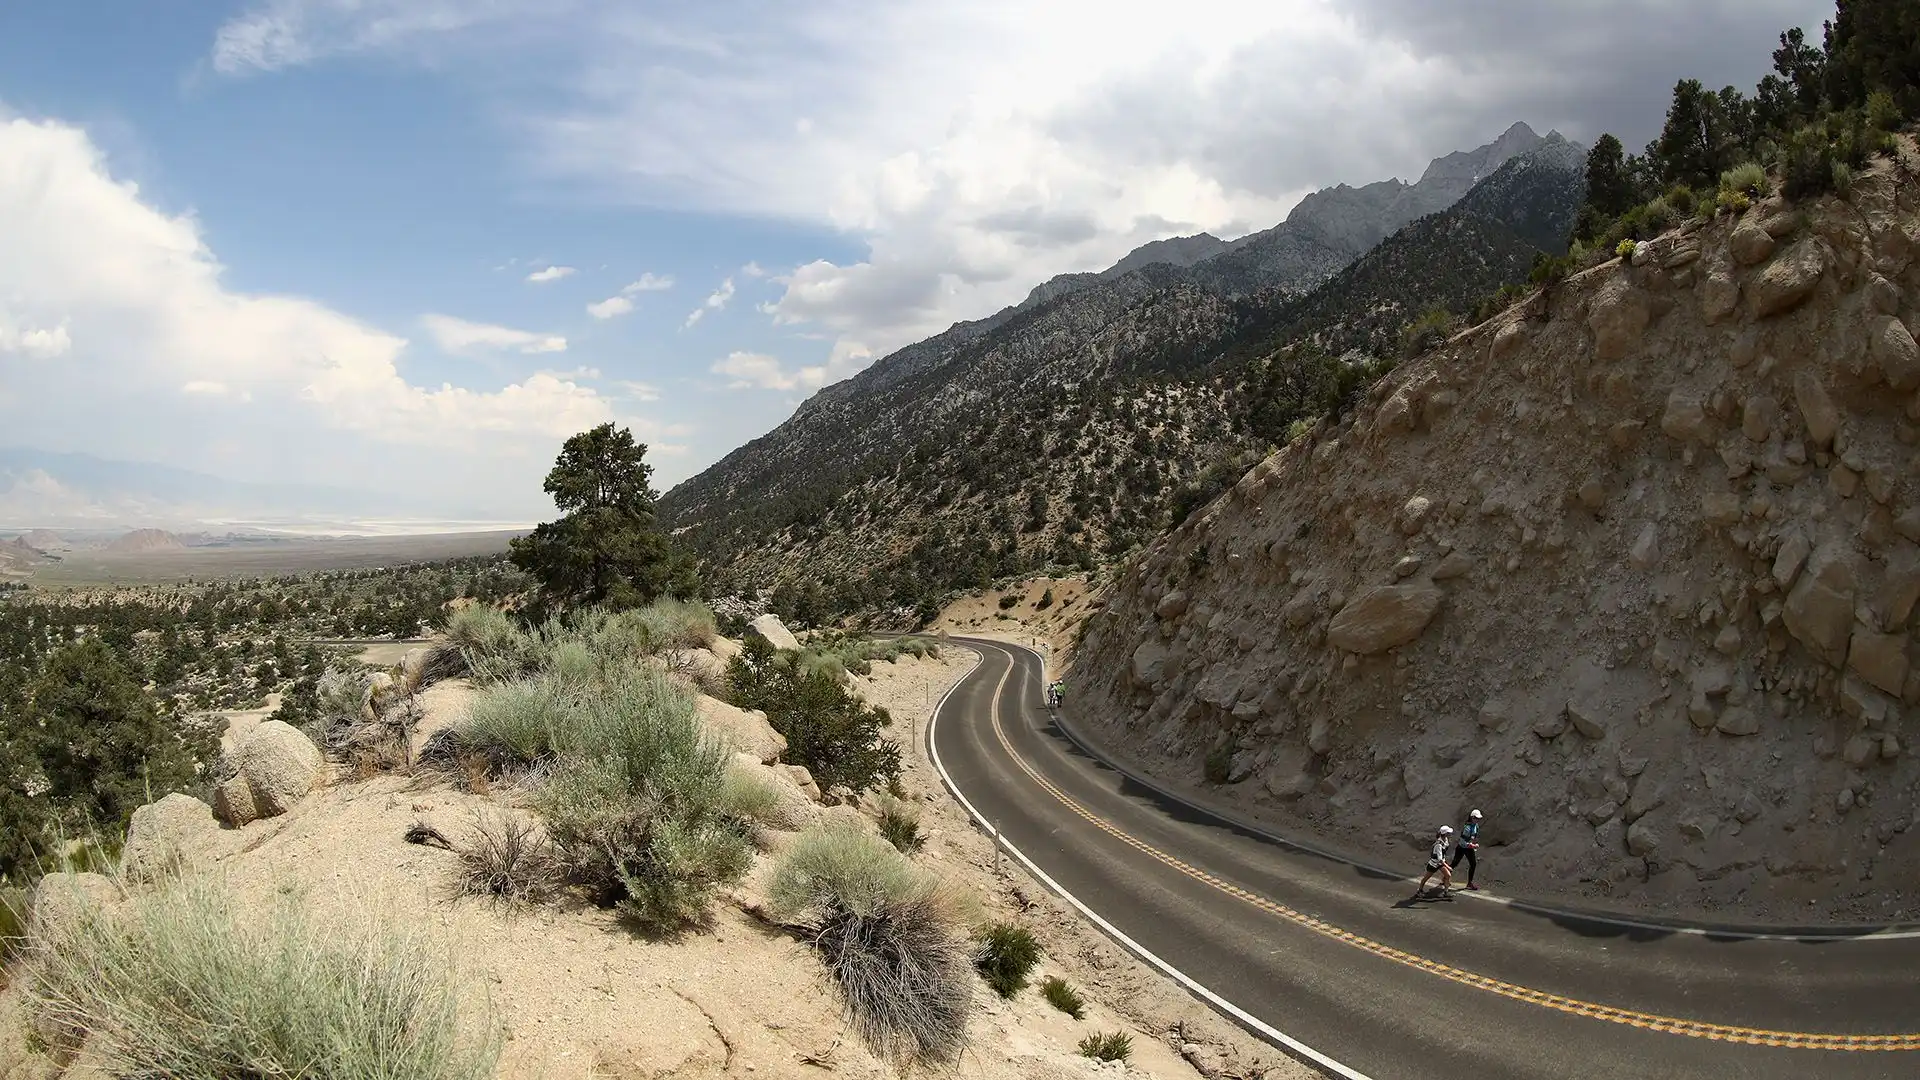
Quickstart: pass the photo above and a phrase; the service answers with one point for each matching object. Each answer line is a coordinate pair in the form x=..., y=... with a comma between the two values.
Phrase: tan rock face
x=774, y=632
x=162, y=836
x=743, y=730
x=1750, y=244
x=276, y=767
x=1895, y=354
x=1788, y=281
x=1619, y=316
x=1819, y=610
x=1681, y=592
x=1384, y=616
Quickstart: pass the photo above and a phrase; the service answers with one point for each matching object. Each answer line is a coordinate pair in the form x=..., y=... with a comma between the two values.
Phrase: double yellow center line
x=1795, y=1040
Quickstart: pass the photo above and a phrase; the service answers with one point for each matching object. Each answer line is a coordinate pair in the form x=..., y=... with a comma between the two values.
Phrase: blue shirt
x=1470, y=833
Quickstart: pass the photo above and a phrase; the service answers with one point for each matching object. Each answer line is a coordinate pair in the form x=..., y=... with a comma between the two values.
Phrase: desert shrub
x=1009, y=601
x=1625, y=248
x=1426, y=333
x=1045, y=601
x=1219, y=763
x=1298, y=429
x=519, y=724
x=888, y=935
x=443, y=661
x=1006, y=954
x=1682, y=199
x=1107, y=1046
x=495, y=649
x=829, y=730
x=900, y=826
x=1747, y=179
x=506, y=857
x=639, y=803
x=1064, y=997
x=189, y=981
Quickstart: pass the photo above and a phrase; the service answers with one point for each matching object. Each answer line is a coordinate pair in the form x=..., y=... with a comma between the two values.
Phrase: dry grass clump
x=188, y=982
x=508, y=858
x=889, y=936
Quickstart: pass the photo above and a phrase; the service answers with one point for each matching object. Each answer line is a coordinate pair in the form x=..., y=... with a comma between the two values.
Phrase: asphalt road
x=1334, y=962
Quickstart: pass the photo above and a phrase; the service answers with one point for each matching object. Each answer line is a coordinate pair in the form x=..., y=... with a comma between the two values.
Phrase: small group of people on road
x=1447, y=853
x=1056, y=691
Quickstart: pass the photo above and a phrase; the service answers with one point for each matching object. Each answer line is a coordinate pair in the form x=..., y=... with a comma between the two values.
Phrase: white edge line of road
x=1864, y=936
x=1281, y=1038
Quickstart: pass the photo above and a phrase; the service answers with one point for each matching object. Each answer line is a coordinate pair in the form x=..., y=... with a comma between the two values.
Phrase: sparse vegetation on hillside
x=889, y=936
x=1063, y=997
x=187, y=981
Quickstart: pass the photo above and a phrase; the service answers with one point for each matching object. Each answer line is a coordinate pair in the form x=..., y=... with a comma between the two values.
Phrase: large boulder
x=274, y=768
x=1819, y=609
x=60, y=898
x=1896, y=354
x=774, y=632
x=742, y=730
x=1149, y=666
x=1750, y=244
x=1618, y=317
x=172, y=833
x=1787, y=282
x=1385, y=616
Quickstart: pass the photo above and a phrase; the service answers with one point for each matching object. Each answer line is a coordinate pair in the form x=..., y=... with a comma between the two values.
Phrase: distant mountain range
x=1063, y=428
x=41, y=489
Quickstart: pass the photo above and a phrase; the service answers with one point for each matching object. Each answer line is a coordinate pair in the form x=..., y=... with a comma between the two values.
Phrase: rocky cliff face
x=1633, y=567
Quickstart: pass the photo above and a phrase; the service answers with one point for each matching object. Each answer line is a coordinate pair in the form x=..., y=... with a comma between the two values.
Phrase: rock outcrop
x=1645, y=590
x=274, y=768
x=172, y=834
x=774, y=632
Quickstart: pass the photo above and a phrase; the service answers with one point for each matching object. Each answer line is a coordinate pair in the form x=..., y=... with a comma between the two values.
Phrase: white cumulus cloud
x=157, y=350
x=609, y=308
x=551, y=273
x=715, y=301
x=463, y=338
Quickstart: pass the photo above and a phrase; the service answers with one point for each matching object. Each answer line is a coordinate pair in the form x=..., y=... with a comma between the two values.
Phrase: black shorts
x=1432, y=865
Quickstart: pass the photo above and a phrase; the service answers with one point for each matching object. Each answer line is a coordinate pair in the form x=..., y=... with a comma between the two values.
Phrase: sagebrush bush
x=518, y=724
x=1064, y=997
x=1746, y=178
x=1107, y=1046
x=640, y=806
x=190, y=982
x=1005, y=955
x=888, y=935
x=900, y=826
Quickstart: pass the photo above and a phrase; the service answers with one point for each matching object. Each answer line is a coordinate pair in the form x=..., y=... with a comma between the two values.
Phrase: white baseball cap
x=1474, y=814
x=1446, y=830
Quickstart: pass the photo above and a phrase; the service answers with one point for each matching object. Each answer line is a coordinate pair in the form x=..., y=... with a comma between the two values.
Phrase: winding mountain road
x=1332, y=962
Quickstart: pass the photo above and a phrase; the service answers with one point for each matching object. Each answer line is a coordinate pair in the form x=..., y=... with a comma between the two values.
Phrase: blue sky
x=293, y=239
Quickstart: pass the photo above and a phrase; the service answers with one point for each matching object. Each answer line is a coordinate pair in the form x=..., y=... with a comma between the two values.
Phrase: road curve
x=1335, y=965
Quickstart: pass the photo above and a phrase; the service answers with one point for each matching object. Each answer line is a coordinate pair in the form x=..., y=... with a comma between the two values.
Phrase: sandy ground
x=583, y=997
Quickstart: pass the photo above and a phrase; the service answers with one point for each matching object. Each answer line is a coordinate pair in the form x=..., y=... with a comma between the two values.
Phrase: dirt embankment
x=1634, y=568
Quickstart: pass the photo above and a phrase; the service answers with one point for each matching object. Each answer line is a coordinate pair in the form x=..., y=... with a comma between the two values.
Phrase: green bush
x=1624, y=250
x=1064, y=997
x=1107, y=1046
x=889, y=937
x=1681, y=198
x=829, y=730
x=1006, y=954
x=1426, y=333
x=900, y=826
x=495, y=648
x=189, y=981
x=640, y=806
x=1746, y=179
x=1009, y=601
